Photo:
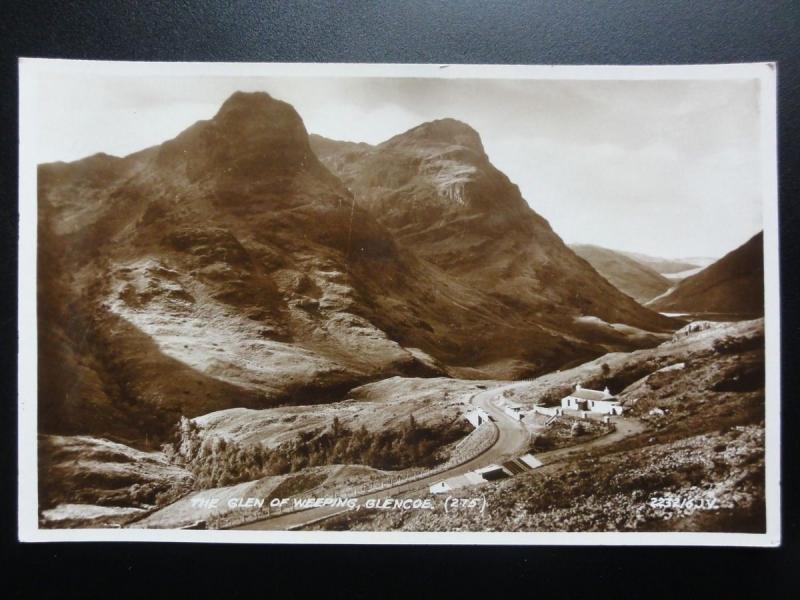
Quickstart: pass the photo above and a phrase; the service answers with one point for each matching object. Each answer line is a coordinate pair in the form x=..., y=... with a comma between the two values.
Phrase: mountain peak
x=251, y=136
x=254, y=112
x=442, y=131
x=248, y=101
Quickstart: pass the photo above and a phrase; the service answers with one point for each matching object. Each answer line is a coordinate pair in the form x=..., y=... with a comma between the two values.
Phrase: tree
x=220, y=445
x=578, y=429
x=336, y=428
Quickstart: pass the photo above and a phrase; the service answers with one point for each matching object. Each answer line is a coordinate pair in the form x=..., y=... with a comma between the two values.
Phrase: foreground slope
x=732, y=285
x=697, y=464
x=639, y=281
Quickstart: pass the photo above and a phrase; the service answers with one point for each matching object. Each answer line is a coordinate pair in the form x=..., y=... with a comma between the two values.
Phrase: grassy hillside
x=734, y=284
x=93, y=482
x=639, y=281
x=701, y=399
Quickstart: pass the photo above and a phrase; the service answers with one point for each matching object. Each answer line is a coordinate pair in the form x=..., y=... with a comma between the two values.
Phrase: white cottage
x=593, y=401
x=477, y=417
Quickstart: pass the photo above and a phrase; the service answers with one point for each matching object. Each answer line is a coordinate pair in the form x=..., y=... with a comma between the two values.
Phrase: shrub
x=736, y=345
x=577, y=429
x=742, y=378
x=215, y=461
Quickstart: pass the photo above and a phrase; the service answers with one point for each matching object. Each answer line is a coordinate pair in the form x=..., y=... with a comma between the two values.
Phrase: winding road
x=513, y=440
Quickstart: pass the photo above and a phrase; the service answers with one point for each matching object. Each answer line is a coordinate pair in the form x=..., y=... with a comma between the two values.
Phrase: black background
x=565, y=32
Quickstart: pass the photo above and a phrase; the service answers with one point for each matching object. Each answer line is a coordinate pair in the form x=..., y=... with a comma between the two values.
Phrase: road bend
x=512, y=440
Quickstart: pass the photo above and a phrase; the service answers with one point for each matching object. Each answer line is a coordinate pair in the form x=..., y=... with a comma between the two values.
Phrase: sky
x=665, y=168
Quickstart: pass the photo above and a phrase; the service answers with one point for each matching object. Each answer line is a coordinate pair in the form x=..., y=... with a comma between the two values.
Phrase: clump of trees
x=215, y=461
x=412, y=445
x=578, y=429
x=568, y=432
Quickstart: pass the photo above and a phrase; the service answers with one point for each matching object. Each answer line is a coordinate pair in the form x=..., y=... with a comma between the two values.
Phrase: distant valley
x=731, y=287
x=639, y=281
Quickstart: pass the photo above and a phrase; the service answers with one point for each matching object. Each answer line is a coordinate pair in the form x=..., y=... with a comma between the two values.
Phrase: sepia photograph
x=398, y=303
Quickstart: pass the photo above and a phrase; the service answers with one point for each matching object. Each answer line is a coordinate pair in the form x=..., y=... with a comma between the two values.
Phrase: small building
x=509, y=468
x=530, y=461
x=477, y=417
x=514, y=411
x=492, y=472
x=595, y=401
x=518, y=465
x=454, y=483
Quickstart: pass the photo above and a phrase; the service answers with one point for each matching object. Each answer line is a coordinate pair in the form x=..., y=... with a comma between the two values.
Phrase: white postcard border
x=30, y=69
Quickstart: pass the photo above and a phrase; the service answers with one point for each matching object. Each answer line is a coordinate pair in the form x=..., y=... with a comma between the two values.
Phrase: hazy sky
x=668, y=168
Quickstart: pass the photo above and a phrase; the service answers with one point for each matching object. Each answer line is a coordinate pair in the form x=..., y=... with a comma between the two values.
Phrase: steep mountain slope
x=436, y=190
x=212, y=271
x=734, y=284
x=635, y=279
x=229, y=268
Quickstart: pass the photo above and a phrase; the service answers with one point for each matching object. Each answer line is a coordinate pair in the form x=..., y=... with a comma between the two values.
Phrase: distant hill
x=667, y=266
x=639, y=281
x=734, y=284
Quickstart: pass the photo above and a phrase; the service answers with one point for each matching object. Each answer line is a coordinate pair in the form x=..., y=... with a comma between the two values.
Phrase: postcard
x=398, y=304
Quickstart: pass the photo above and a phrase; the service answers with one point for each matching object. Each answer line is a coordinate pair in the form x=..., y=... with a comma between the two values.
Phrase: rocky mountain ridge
x=454, y=209
x=229, y=267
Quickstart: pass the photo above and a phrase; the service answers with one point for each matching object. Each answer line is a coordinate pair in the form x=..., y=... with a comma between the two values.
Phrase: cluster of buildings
x=580, y=400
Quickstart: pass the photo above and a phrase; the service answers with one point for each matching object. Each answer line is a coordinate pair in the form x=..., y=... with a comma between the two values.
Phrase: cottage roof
x=489, y=469
x=585, y=394
x=530, y=460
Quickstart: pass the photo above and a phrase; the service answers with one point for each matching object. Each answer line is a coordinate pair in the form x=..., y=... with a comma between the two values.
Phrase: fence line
x=487, y=435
